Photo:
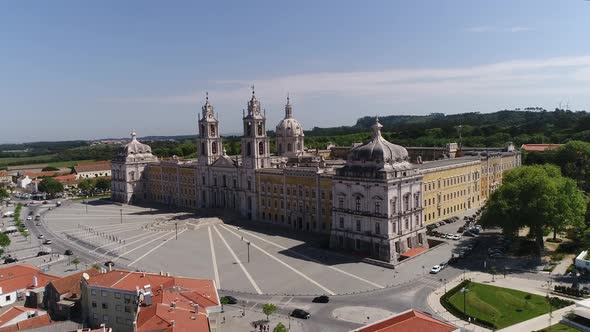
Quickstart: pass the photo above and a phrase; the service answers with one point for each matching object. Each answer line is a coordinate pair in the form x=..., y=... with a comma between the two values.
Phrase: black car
x=109, y=263
x=10, y=260
x=300, y=313
x=229, y=299
x=321, y=299
x=68, y=252
x=42, y=253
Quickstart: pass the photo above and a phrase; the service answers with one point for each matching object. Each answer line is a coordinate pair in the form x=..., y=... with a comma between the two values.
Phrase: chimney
x=103, y=328
x=110, y=267
x=172, y=322
x=167, y=274
x=35, y=281
x=196, y=308
x=143, y=274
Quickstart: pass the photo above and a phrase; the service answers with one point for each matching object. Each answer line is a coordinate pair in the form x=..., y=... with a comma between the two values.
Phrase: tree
x=50, y=186
x=76, y=261
x=49, y=168
x=535, y=196
x=86, y=185
x=4, y=240
x=280, y=328
x=3, y=193
x=269, y=309
x=103, y=184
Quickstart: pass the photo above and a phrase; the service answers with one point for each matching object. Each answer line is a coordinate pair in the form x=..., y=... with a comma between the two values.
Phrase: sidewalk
x=539, y=323
x=561, y=268
x=538, y=287
x=234, y=321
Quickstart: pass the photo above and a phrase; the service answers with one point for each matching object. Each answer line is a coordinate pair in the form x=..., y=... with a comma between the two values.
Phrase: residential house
x=409, y=321
x=17, y=280
x=62, y=297
x=92, y=169
x=18, y=314
x=138, y=302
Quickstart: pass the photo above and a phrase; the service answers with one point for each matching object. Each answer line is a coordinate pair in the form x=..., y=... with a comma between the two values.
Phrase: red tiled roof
x=14, y=312
x=3, y=173
x=413, y=252
x=17, y=277
x=71, y=283
x=28, y=324
x=41, y=174
x=409, y=321
x=69, y=179
x=97, y=166
x=539, y=147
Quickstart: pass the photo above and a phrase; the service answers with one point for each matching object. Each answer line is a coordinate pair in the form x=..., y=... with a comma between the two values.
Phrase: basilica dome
x=135, y=149
x=379, y=150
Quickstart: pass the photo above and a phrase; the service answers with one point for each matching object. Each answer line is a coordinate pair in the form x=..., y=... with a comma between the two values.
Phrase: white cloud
x=544, y=77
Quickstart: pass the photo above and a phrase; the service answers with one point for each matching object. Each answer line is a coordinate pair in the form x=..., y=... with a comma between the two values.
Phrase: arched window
x=202, y=130
x=357, y=203
x=248, y=128
x=260, y=129
x=248, y=149
x=212, y=129
x=261, y=148
x=214, y=147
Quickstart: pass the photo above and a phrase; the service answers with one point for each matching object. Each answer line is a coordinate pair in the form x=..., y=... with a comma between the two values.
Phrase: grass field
x=559, y=327
x=500, y=306
x=37, y=160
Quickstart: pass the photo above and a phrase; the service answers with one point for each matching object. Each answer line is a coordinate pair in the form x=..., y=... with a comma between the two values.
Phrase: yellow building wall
x=450, y=191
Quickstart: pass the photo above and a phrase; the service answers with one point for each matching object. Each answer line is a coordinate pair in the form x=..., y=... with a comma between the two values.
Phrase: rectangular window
x=93, y=292
x=94, y=304
x=358, y=225
x=377, y=228
x=105, y=318
x=341, y=203
x=377, y=207
x=7, y=297
x=127, y=308
x=341, y=222
x=105, y=305
x=117, y=295
x=104, y=293
x=119, y=320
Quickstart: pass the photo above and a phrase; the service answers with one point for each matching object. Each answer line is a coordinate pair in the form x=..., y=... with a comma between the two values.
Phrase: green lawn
x=559, y=327
x=500, y=306
x=44, y=159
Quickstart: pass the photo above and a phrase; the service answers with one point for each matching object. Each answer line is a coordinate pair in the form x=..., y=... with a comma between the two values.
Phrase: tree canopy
x=537, y=197
x=86, y=185
x=50, y=186
x=102, y=184
x=49, y=168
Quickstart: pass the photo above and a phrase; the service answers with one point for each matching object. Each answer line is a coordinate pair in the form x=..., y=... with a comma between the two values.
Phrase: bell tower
x=255, y=143
x=209, y=146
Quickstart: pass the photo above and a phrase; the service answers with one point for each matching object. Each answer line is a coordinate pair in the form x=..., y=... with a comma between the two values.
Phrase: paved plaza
x=207, y=247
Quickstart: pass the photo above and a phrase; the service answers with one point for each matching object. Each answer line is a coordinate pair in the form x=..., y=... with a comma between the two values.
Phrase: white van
x=8, y=214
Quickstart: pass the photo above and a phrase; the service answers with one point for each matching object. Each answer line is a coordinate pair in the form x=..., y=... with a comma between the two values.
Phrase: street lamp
x=121, y=216
x=248, y=244
x=464, y=290
x=445, y=282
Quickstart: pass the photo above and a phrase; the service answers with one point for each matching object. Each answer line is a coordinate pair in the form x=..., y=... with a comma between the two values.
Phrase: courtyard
x=240, y=257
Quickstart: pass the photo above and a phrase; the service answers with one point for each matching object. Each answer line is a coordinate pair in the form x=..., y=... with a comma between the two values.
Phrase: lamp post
x=464, y=290
x=176, y=228
x=445, y=282
x=248, y=245
x=121, y=215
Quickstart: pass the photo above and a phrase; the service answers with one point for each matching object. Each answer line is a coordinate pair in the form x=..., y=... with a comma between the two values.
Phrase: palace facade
x=373, y=201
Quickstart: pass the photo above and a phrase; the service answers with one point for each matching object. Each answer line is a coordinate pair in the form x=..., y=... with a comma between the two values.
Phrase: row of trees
x=90, y=184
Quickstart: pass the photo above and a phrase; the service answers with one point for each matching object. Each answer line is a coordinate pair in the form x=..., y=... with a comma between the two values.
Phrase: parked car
x=42, y=253
x=456, y=237
x=40, y=236
x=461, y=229
x=9, y=260
x=470, y=234
x=68, y=252
x=435, y=269
x=47, y=242
x=45, y=202
x=321, y=299
x=29, y=218
x=229, y=299
x=300, y=313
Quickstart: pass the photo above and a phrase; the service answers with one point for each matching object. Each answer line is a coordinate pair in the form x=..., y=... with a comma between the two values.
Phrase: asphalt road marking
x=154, y=248
x=102, y=226
x=289, y=301
x=214, y=259
x=311, y=259
x=284, y=264
x=126, y=244
x=84, y=234
x=129, y=238
x=141, y=246
x=238, y=261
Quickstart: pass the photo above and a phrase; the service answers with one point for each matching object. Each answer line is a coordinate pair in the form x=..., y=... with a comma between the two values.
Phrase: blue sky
x=86, y=70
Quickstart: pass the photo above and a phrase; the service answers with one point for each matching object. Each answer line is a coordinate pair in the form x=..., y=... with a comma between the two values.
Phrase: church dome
x=379, y=150
x=289, y=126
x=134, y=148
